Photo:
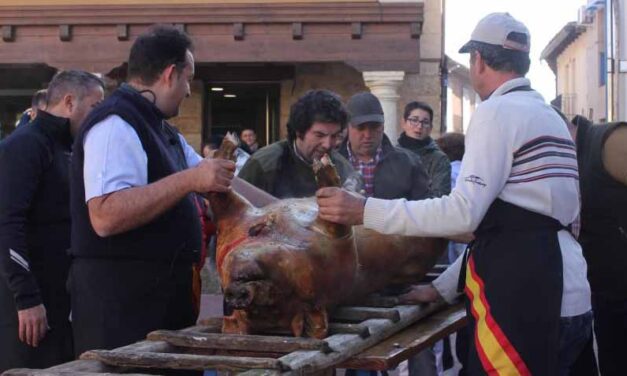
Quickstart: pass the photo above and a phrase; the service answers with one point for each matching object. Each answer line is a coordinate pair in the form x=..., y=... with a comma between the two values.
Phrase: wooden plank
x=401, y=346
x=348, y=345
x=380, y=301
x=357, y=314
x=208, y=325
x=182, y=361
x=341, y=328
x=43, y=372
x=147, y=346
x=260, y=353
x=238, y=342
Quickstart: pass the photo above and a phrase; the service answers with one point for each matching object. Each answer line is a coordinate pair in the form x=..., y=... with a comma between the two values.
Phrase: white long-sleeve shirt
x=519, y=150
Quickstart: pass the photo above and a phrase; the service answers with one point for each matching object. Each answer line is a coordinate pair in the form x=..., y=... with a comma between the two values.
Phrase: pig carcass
x=283, y=268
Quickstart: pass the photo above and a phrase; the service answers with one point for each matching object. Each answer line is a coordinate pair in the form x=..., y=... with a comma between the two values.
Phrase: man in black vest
x=602, y=157
x=35, y=226
x=135, y=223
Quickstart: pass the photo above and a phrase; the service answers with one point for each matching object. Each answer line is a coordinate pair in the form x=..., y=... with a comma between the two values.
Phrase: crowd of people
x=103, y=226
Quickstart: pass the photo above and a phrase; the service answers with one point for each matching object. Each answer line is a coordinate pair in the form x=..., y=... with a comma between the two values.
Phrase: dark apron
x=513, y=281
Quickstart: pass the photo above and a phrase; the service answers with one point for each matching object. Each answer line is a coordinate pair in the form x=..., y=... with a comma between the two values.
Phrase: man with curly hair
x=283, y=168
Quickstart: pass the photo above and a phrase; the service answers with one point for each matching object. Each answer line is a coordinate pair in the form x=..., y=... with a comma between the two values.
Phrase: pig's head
x=247, y=281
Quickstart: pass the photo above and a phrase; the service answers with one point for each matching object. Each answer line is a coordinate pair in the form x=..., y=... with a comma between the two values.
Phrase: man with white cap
x=528, y=299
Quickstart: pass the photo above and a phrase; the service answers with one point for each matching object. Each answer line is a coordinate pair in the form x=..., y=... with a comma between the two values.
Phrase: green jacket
x=435, y=161
x=277, y=170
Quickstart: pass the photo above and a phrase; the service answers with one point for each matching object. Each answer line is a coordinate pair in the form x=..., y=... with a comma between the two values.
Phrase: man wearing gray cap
x=528, y=299
x=388, y=172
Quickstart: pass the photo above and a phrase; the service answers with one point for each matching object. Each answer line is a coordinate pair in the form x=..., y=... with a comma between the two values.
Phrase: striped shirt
x=518, y=150
x=366, y=169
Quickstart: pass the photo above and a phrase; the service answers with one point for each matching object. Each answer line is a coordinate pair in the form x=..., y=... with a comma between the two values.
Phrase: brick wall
x=189, y=121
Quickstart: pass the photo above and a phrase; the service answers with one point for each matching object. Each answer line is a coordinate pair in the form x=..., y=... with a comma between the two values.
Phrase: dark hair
x=155, y=50
x=76, y=82
x=40, y=96
x=315, y=106
x=452, y=144
x=417, y=105
x=503, y=59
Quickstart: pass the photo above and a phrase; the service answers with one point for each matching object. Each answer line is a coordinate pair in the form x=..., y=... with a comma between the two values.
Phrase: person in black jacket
x=417, y=126
x=602, y=160
x=388, y=172
x=38, y=102
x=35, y=226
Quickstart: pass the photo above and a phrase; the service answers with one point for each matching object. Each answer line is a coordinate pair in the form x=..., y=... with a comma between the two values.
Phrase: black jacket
x=35, y=215
x=435, y=161
x=603, y=234
x=399, y=173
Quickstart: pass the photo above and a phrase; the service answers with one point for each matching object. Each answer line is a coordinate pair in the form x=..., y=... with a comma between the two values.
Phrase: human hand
x=213, y=175
x=420, y=294
x=33, y=324
x=340, y=206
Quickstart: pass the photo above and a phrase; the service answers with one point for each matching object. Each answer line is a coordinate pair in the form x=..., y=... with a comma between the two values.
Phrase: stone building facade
x=253, y=57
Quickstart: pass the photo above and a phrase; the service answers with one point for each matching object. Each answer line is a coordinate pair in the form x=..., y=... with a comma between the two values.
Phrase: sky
x=543, y=18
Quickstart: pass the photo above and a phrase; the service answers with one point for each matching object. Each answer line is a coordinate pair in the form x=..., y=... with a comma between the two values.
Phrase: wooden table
x=400, y=347
x=384, y=355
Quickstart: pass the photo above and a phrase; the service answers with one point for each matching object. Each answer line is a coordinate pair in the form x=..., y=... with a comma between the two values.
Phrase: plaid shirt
x=366, y=169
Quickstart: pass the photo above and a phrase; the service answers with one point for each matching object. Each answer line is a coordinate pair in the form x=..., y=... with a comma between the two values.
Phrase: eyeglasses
x=416, y=121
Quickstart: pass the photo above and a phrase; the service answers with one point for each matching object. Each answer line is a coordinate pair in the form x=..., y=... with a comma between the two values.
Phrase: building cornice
x=560, y=41
x=225, y=12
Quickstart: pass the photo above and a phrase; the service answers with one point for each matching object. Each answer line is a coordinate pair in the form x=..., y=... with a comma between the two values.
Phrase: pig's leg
x=237, y=323
x=316, y=322
x=298, y=324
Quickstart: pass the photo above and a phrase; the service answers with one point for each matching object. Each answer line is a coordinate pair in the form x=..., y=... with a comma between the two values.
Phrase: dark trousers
x=118, y=302
x=610, y=327
x=55, y=348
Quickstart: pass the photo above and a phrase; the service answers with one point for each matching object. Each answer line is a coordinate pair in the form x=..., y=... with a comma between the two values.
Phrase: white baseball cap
x=494, y=29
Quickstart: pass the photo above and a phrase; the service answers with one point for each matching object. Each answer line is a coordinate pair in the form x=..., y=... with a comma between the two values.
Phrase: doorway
x=233, y=107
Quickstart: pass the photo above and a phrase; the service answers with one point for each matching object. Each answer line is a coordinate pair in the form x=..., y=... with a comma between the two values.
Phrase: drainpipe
x=620, y=7
x=610, y=65
x=443, y=75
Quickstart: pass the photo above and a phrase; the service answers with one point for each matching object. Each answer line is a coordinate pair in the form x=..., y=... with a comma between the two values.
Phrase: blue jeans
x=575, y=332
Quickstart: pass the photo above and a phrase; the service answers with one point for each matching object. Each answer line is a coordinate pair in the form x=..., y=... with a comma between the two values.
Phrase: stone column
x=384, y=85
